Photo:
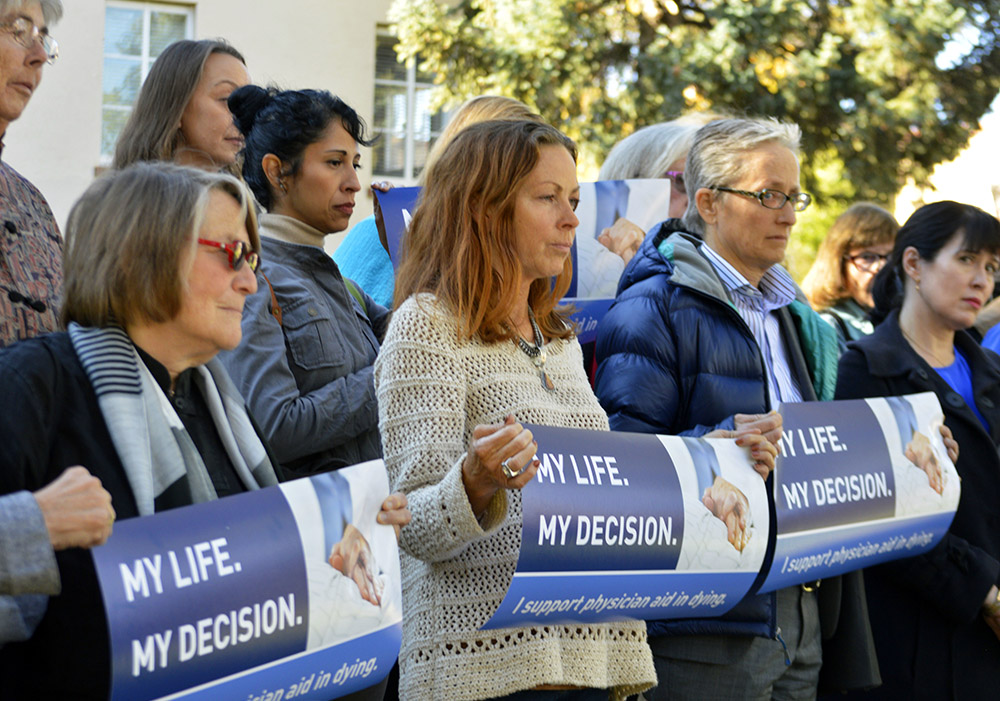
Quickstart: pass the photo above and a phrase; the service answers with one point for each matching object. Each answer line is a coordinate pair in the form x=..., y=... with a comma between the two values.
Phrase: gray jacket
x=28, y=570
x=308, y=380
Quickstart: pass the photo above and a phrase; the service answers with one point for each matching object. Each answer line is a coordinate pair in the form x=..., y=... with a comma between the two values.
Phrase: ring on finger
x=507, y=471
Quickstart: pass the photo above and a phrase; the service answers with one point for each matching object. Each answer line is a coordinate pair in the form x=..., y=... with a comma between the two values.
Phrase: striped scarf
x=148, y=436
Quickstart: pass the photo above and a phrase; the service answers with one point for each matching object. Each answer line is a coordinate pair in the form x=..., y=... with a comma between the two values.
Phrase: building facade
x=67, y=133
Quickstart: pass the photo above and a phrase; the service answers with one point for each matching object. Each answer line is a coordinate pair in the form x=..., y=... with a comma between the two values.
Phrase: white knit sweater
x=432, y=391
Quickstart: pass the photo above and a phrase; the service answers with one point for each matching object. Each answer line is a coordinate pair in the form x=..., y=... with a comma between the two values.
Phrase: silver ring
x=510, y=474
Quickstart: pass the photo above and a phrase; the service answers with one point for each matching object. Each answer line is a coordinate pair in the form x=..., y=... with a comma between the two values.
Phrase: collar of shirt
x=776, y=287
x=182, y=386
x=290, y=230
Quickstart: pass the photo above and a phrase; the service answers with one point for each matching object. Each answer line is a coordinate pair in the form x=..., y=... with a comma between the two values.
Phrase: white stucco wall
x=326, y=44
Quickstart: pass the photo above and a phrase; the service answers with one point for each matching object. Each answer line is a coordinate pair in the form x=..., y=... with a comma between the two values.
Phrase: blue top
x=992, y=339
x=361, y=258
x=959, y=378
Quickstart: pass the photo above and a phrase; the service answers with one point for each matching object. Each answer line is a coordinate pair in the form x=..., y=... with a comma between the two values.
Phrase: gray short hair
x=52, y=10
x=649, y=152
x=716, y=158
x=129, y=236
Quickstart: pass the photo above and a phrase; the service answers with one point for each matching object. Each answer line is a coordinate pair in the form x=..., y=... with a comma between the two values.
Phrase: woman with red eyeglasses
x=839, y=282
x=159, y=259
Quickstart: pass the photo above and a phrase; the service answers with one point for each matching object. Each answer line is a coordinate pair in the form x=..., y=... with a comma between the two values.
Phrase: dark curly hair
x=285, y=122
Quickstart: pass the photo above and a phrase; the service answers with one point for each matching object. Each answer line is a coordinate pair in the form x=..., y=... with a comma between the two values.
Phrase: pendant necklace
x=922, y=350
x=536, y=352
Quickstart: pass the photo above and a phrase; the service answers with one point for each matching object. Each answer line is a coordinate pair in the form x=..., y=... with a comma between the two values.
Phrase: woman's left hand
x=950, y=444
x=394, y=512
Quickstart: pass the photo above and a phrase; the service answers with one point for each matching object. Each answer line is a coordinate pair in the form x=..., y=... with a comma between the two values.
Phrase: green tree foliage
x=883, y=89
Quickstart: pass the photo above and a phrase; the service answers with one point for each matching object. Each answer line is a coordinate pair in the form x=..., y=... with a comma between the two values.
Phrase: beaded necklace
x=536, y=352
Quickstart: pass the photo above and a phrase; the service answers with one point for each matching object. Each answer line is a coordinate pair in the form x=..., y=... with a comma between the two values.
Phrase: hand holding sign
x=762, y=450
x=768, y=424
x=77, y=510
x=395, y=512
x=492, y=445
x=950, y=444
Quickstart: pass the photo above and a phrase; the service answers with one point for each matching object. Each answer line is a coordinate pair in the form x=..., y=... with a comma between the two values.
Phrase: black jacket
x=50, y=420
x=930, y=638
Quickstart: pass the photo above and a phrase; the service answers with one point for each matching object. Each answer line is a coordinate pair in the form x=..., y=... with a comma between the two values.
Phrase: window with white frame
x=135, y=33
x=405, y=125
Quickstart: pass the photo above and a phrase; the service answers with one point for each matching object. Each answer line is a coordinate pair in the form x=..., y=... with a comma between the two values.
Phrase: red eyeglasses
x=238, y=252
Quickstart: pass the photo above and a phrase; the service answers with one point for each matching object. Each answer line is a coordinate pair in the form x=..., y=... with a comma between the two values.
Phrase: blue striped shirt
x=756, y=306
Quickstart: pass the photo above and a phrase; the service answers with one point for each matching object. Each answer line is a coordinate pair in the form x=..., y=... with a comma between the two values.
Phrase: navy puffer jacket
x=675, y=357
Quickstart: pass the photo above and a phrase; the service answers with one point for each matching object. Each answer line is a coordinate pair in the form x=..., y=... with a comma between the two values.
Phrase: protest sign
x=245, y=597
x=615, y=525
x=857, y=483
x=607, y=210
x=656, y=527
x=286, y=592
x=610, y=209
x=397, y=205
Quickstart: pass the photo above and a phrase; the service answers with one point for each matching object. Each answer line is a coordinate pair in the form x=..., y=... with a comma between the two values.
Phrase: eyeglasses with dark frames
x=27, y=34
x=677, y=178
x=237, y=252
x=868, y=261
x=773, y=199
